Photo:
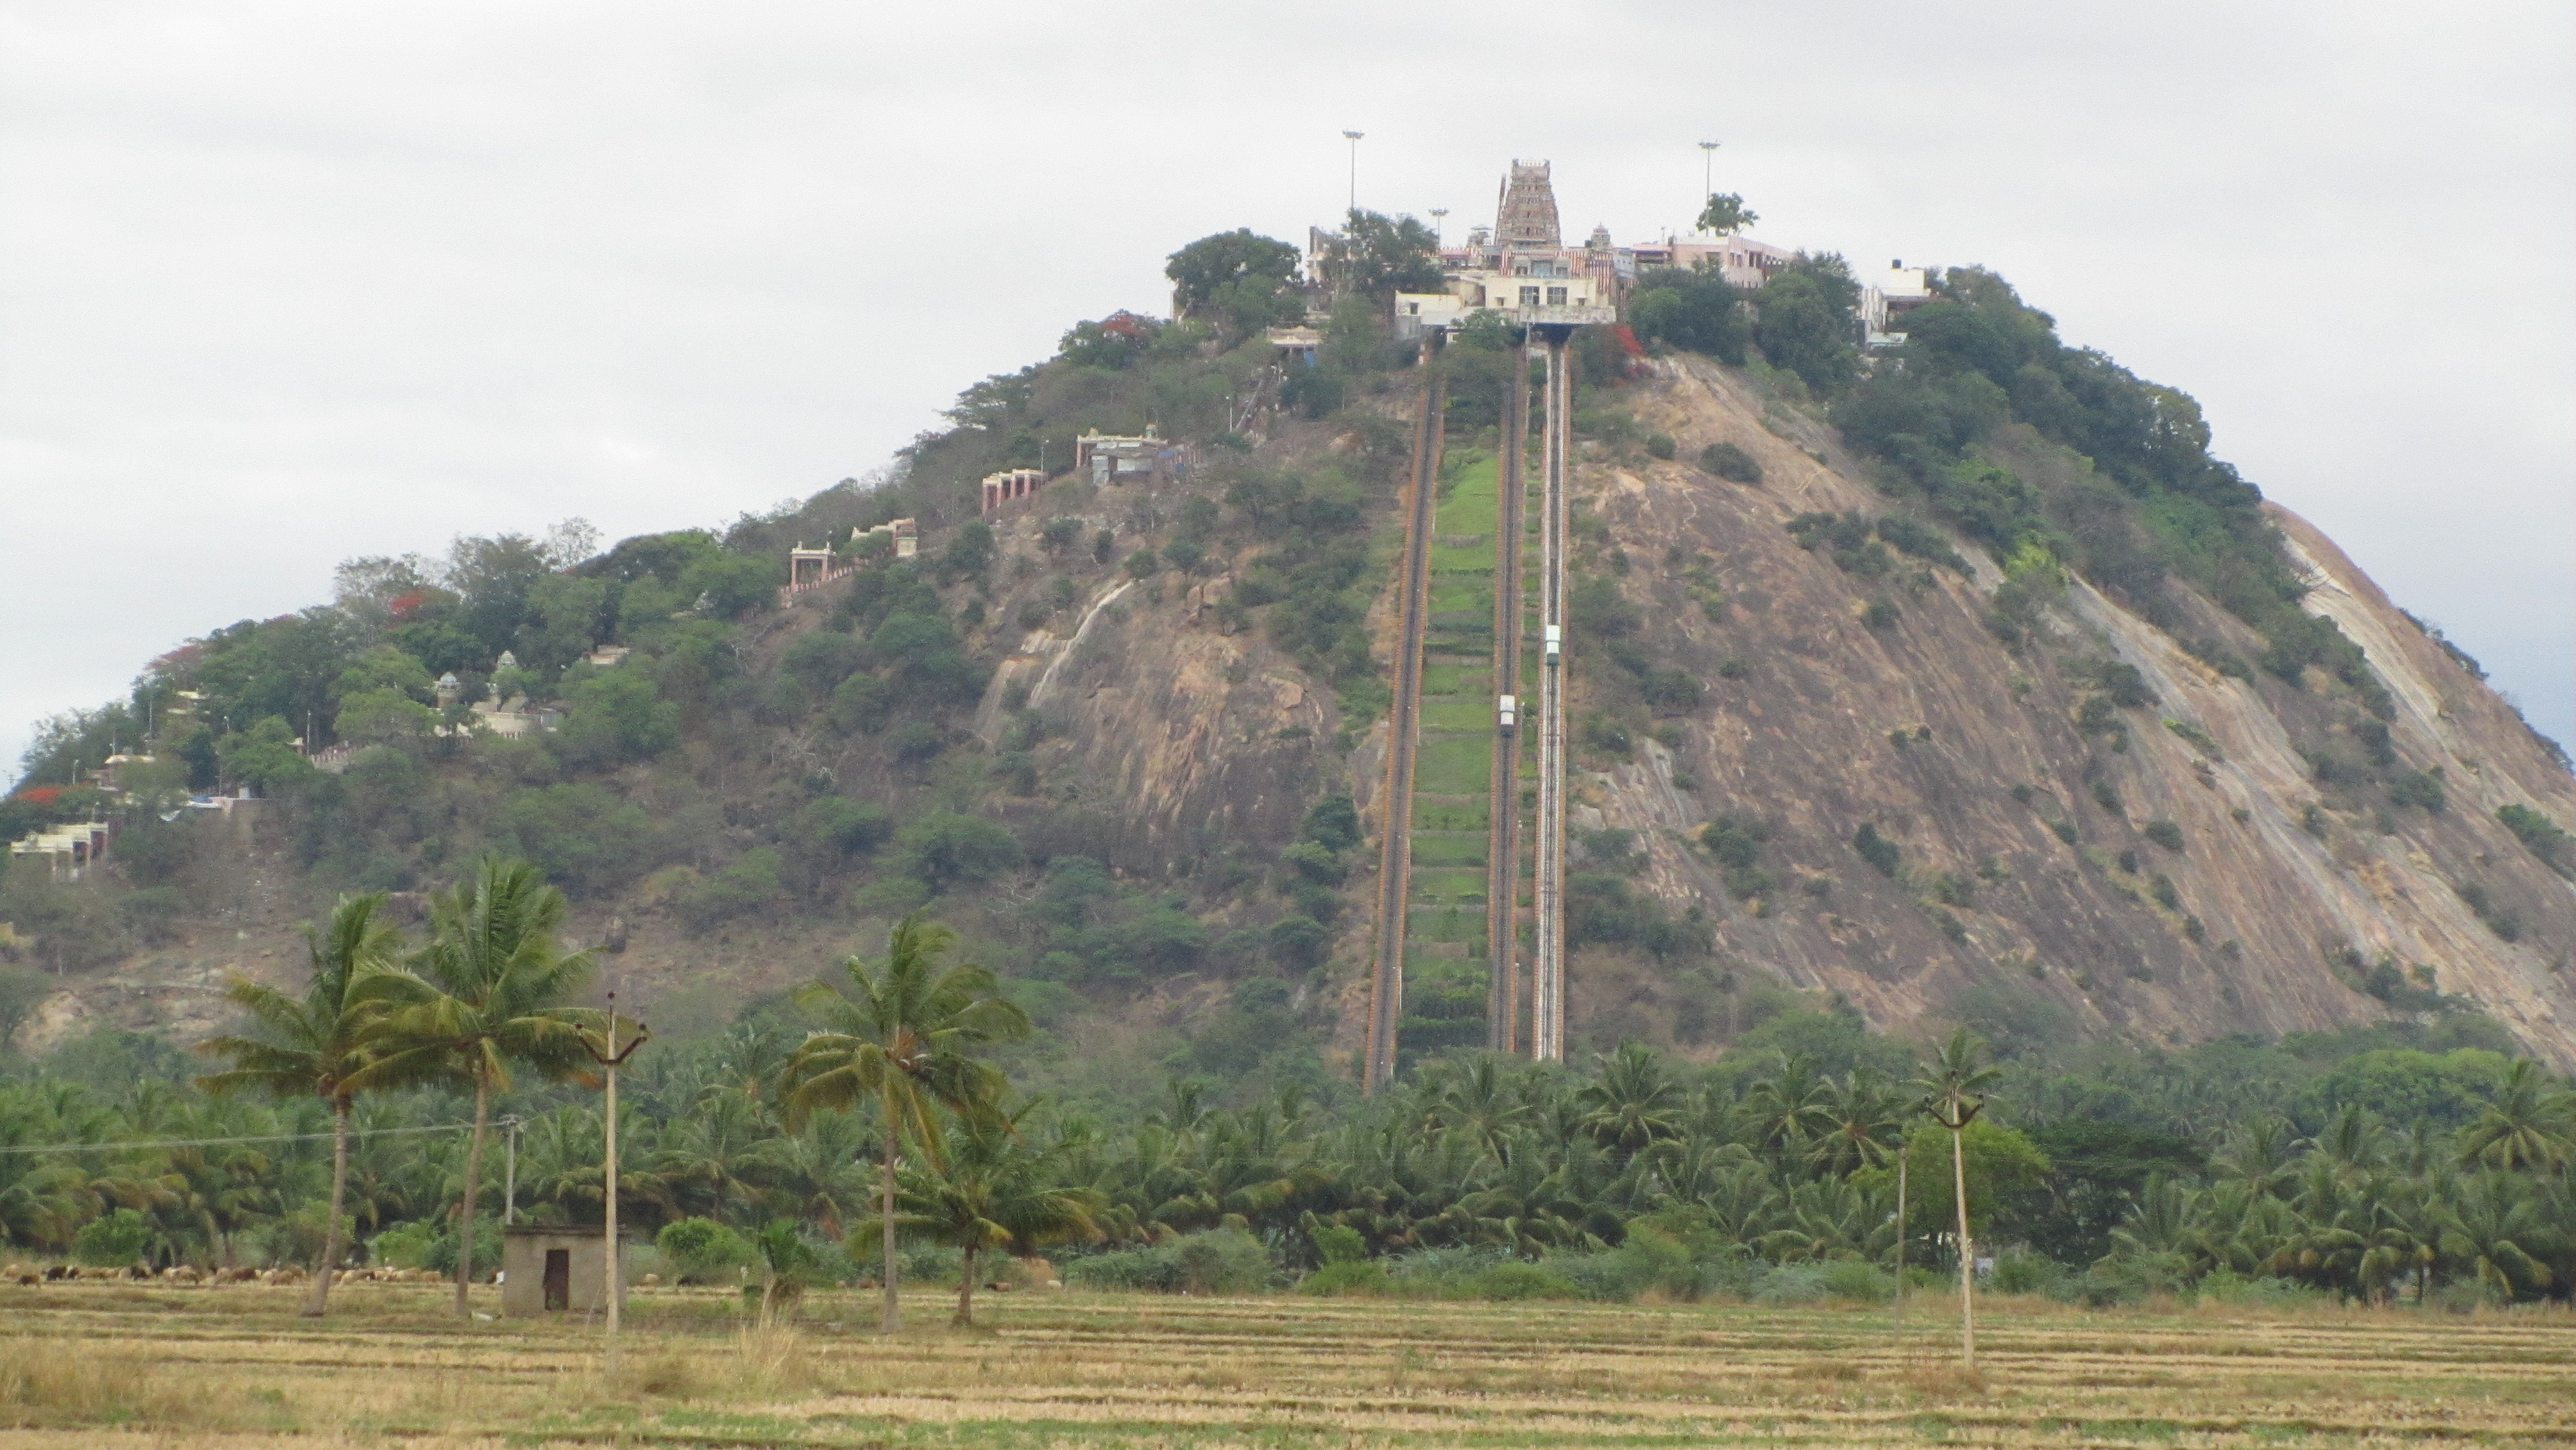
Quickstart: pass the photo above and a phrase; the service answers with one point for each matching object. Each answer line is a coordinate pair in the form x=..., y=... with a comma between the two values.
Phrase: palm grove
x=2410, y=1163
x=838, y=783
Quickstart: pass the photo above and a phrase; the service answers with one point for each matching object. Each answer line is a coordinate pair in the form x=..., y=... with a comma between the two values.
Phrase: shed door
x=558, y=1278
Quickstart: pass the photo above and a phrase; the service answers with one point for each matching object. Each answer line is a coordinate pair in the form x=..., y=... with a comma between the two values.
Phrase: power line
x=211, y=1142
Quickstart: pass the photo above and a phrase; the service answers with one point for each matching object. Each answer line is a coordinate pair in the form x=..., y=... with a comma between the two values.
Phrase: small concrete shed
x=558, y=1268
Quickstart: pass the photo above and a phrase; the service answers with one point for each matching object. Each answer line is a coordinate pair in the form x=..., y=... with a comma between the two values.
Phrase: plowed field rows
x=91, y=1366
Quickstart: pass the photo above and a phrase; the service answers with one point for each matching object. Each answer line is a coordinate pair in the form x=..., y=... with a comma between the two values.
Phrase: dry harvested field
x=101, y=1365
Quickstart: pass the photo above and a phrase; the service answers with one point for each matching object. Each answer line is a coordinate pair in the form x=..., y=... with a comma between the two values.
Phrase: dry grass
x=193, y=1370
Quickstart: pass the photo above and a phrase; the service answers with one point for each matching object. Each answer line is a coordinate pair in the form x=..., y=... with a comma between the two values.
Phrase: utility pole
x=1955, y=1112
x=510, y=1173
x=614, y=1287
x=1354, y=138
x=1901, y=1156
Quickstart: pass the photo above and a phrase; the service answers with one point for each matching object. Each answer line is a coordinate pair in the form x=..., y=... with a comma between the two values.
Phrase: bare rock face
x=2212, y=883
x=1171, y=740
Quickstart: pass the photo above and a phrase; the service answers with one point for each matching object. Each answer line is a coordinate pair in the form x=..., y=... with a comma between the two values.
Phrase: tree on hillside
x=903, y=1037
x=487, y=993
x=323, y=1043
x=1726, y=213
x=1240, y=279
x=1694, y=310
x=1808, y=325
x=1376, y=256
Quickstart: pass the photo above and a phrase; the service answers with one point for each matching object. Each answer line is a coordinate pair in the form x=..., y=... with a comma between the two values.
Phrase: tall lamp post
x=1707, y=176
x=1439, y=227
x=1354, y=138
x=612, y=1058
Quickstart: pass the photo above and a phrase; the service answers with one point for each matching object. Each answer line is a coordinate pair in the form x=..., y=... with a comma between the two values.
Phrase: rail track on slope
x=1404, y=732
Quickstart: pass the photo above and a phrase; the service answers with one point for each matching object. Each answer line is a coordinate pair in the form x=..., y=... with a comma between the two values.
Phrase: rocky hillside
x=1839, y=738
x=2090, y=829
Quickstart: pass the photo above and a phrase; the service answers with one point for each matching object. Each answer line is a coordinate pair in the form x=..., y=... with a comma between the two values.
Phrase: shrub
x=2418, y=788
x=918, y=741
x=1312, y=860
x=1214, y=1261
x=2022, y=1273
x=1362, y=1276
x=746, y=884
x=2164, y=833
x=588, y=840
x=1880, y=615
x=947, y=847
x=1734, y=840
x=2539, y=835
x=2499, y=919
x=1608, y=736
x=116, y=1238
x=405, y=1245
x=1859, y=1279
x=701, y=1250
x=1299, y=942
x=1877, y=850
x=615, y=717
x=1660, y=445
x=1730, y=462
x=840, y=826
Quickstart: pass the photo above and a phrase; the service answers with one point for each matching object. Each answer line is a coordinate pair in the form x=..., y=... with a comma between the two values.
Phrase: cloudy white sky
x=286, y=282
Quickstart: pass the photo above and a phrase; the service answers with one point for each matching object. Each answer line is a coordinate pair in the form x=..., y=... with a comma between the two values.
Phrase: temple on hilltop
x=1522, y=260
x=1527, y=240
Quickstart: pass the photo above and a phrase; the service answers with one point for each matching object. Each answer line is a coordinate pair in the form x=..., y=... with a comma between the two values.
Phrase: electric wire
x=212, y=1142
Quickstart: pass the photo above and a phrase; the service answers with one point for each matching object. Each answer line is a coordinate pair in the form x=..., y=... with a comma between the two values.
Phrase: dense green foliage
x=2148, y=501
x=2395, y=1160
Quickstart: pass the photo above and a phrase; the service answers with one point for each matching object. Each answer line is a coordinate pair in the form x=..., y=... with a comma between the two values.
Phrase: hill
x=1961, y=685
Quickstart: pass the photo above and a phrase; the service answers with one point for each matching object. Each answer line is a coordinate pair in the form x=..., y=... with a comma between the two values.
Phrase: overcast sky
x=283, y=283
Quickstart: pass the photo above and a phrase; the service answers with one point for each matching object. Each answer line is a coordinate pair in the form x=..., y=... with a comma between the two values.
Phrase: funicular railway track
x=1503, y=805
x=1512, y=716
x=1404, y=729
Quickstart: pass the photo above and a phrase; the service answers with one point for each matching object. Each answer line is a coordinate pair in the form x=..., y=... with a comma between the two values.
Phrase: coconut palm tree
x=1788, y=1106
x=488, y=992
x=2484, y=1227
x=1858, y=1122
x=1633, y=1102
x=1954, y=1088
x=2530, y=1124
x=321, y=1044
x=903, y=1036
x=994, y=1189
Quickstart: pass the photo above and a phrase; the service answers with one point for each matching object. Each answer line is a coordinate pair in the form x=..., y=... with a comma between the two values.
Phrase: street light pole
x=1707, y=177
x=611, y=1059
x=1439, y=227
x=1354, y=138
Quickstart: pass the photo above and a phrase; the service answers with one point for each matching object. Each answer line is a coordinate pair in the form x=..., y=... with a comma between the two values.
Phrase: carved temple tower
x=1525, y=218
